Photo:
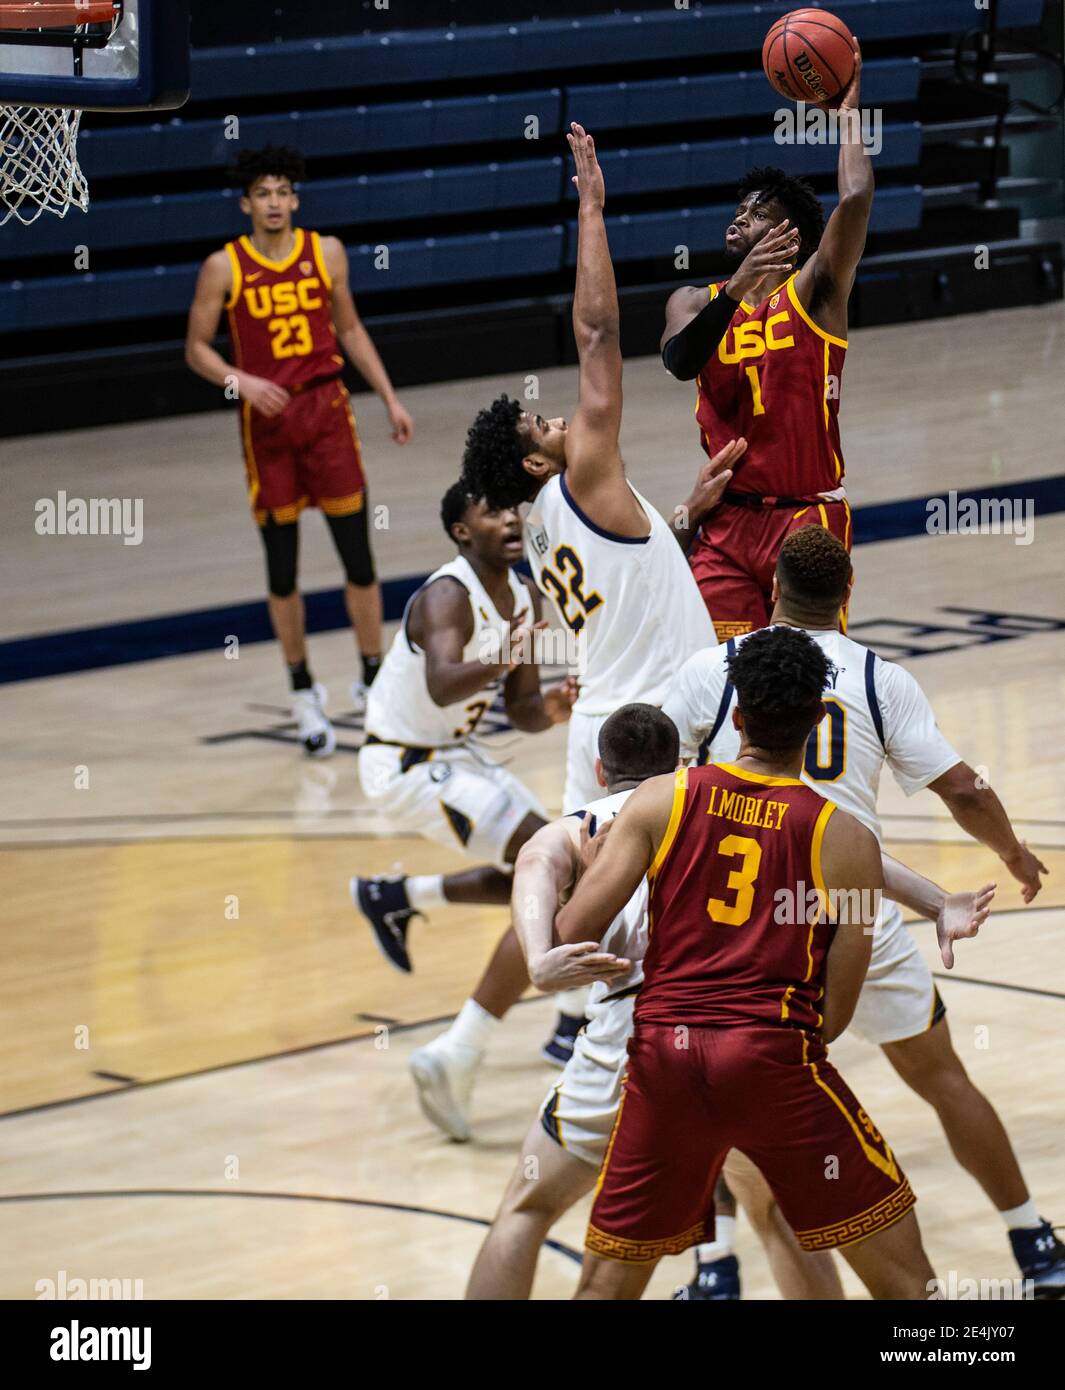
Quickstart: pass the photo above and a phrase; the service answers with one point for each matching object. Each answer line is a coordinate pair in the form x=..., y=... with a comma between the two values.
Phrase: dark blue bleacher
x=181, y=217
x=478, y=51
x=394, y=125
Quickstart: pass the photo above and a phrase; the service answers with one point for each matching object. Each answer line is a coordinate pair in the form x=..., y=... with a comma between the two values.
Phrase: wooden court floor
x=204, y=1077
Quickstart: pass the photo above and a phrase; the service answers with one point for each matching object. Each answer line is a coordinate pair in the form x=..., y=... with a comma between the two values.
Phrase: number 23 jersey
x=281, y=313
x=630, y=602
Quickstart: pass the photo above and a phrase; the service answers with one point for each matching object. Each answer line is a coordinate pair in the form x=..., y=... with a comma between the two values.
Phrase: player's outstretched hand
x=776, y=254
x=558, y=703
x=402, y=423
x=849, y=98
x=266, y=397
x=589, y=176
x=961, y=916
x=570, y=967
x=1026, y=869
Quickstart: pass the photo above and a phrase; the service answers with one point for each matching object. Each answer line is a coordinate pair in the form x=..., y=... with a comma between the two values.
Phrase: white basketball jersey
x=627, y=934
x=877, y=713
x=399, y=708
x=631, y=600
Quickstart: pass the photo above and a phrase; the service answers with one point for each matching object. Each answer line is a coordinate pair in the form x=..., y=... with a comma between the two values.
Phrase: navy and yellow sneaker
x=383, y=902
x=717, y=1282
x=1041, y=1257
x=559, y=1047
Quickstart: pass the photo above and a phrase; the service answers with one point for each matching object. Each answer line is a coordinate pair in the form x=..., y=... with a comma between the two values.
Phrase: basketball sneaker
x=1041, y=1257
x=315, y=731
x=717, y=1282
x=443, y=1074
x=384, y=903
x=358, y=696
x=559, y=1047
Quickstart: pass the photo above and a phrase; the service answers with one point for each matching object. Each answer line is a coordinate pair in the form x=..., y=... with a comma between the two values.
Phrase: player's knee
x=352, y=541
x=359, y=570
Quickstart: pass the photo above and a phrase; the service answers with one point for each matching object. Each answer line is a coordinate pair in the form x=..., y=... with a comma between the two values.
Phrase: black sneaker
x=1041, y=1257
x=384, y=903
x=718, y=1282
x=559, y=1047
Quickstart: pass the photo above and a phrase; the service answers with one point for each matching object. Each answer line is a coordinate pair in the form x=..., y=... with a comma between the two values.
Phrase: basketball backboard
x=94, y=55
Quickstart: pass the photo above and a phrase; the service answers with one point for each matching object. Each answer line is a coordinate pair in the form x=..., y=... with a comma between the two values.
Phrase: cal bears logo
x=439, y=772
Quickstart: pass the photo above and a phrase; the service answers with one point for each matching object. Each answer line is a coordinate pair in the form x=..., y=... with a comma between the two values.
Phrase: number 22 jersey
x=630, y=601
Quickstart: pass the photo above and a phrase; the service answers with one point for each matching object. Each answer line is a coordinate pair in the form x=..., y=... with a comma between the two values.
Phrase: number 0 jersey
x=631, y=601
x=877, y=713
x=399, y=708
x=280, y=313
x=775, y=380
x=721, y=951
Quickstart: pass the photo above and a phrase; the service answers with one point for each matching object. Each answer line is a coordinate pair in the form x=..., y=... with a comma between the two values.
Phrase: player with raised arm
x=597, y=548
x=568, y=1139
x=465, y=639
x=290, y=311
x=878, y=715
x=767, y=349
x=745, y=983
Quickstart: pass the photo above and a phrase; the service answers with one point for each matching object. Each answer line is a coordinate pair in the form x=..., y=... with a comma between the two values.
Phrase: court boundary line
x=559, y=1247
x=947, y=976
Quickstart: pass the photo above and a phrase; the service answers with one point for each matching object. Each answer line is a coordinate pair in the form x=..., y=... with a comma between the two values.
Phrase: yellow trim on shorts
x=640, y=1252
x=867, y=1223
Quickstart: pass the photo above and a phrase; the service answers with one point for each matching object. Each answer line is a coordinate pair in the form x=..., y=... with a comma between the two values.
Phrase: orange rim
x=51, y=14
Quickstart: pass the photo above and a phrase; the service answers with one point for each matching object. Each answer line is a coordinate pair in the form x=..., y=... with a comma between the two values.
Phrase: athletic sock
x=300, y=677
x=1025, y=1217
x=425, y=891
x=370, y=667
x=572, y=1001
x=472, y=1029
x=721, y=1245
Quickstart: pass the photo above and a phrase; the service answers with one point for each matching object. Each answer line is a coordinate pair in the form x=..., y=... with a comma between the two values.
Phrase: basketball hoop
x=39, y=169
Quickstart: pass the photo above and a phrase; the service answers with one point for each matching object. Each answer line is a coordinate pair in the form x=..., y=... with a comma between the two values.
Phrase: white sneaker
x=444, y=1080
x=315, y=731
x=358, y=696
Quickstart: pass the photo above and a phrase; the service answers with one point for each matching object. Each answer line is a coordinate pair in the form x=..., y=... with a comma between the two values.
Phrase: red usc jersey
x=727, y=945
x=280, y=315
x=775, y=381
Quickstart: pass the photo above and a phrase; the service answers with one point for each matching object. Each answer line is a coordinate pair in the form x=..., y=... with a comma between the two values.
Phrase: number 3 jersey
x=280, y=313
x=726, y=947
x=399, y=708
x=875, y=713
x=631, y=602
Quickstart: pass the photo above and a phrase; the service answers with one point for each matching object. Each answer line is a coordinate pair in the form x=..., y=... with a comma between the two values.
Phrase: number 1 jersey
x=630, y=602
x=775, y=381
x=280, y=312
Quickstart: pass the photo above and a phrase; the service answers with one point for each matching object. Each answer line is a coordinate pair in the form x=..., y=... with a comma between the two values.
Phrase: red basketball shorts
x=691, y=1095
x=308, y=456
x=735, y=554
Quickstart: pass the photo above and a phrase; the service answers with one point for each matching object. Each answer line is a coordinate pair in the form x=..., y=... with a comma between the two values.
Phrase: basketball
x=808, y=55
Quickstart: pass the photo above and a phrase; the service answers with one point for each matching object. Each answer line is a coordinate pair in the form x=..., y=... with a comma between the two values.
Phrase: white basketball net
x=39, y=170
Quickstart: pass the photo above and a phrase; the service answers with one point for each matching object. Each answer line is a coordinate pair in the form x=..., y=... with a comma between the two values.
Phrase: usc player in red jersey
x=762, y=900
x=290, y=313
x=767, y=349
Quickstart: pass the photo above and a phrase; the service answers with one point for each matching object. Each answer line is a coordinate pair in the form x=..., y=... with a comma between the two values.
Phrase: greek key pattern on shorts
x=877, y=1218
x=638, y=1252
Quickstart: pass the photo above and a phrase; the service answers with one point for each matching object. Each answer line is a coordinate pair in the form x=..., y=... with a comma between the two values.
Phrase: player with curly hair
x=767, y=348
x=290, y=312
x=597, y=548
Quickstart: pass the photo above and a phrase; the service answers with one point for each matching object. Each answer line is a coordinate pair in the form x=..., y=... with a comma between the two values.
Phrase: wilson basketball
x=808, y=55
